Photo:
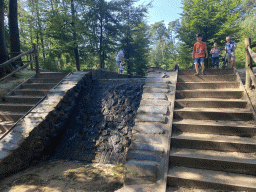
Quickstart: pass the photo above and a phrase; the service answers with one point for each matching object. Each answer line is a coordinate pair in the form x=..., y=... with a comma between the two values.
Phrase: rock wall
x=100, y=129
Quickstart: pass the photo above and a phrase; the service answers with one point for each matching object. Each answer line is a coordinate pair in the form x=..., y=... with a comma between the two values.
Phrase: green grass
x=11, y=82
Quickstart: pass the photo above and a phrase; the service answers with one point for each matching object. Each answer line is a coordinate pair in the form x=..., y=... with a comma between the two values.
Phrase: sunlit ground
x=59, y=176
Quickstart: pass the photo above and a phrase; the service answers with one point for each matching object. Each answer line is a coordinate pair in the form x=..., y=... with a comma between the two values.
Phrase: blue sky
x=167, y=10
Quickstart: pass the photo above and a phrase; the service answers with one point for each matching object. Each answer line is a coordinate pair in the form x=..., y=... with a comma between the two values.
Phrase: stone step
x=209, y=179
x=31, y=92
x=236, y=128
x=43, y=80
x=15, y=107
x=234, y=114
x=210, y=103
x=155, y=90
x=153, y=109
x=123, y=80
x=150, y=118
x=51, y=75
x=207, y=85
x=37, y=85
x=150, y=102
x=183, y=189
x=234, y=162
x=156, y=85
x=22, y=99
x=213, y=142
x=206, y=78
x=210, y=93
x=10, y=116
x=207, y=71
x=5, y=126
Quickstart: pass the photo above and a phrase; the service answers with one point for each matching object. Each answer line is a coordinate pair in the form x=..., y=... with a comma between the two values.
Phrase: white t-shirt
x=119, y=55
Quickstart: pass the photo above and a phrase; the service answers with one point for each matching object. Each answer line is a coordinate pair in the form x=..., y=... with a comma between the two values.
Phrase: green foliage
x=248, y=28
x=163, y=53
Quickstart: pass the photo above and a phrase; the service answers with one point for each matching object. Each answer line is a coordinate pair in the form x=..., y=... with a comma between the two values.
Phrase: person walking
x=120, y=59
x=176, y=66
x=215, y=51
x=230, y=48
x=199, y=53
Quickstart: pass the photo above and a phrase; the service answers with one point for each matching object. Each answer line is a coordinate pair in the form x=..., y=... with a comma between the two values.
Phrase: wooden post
x=31, y=65
x=36, y=58
x=248, y=64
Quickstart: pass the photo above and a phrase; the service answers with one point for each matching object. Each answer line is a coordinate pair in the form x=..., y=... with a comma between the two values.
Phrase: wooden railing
x=250, y=56
x=33, y=50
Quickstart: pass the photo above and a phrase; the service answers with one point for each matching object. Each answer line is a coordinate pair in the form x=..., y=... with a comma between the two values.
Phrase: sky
x=167, y=10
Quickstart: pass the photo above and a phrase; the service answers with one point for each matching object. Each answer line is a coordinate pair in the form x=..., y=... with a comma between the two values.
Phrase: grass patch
x=29, y=179
x=11, y=82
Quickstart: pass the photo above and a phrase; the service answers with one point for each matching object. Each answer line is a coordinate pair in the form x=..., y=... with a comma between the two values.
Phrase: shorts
x=231, y=56
x=118, y=63
x=199, y=60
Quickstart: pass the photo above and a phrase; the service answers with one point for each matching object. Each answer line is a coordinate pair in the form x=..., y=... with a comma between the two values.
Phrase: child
x=199, y=53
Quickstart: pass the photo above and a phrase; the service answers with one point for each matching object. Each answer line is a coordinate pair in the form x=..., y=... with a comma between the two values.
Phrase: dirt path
x=63, y=176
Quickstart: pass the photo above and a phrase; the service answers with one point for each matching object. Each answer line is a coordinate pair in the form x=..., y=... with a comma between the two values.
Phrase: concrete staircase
x=25, y=96
x=213, y=144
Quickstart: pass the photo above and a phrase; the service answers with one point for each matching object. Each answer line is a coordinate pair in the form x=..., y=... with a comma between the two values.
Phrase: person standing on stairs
x=176, y=66
x=120, y=59
x=199, y=53
x=230, y=48
x=215, y=51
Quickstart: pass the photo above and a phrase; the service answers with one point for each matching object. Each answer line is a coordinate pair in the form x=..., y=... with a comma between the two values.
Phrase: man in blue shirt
x=230, y=48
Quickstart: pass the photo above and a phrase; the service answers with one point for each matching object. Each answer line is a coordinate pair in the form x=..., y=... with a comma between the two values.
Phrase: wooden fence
x=250, y=56
x=33, y=50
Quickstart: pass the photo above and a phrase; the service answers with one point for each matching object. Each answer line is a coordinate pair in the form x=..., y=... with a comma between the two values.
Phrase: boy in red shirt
x=199, y=53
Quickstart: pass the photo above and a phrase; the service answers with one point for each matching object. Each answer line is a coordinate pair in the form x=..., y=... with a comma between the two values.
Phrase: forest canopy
x=76, y=35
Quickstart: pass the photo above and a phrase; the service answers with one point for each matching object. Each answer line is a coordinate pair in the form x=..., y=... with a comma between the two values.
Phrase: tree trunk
x=3, y=51
x=74, y=36
x=14, y=29
x=100, y=52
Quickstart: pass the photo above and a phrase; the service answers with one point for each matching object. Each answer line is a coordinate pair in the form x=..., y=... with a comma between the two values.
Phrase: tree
x=163, y=39
x=215, y=19
x=102, y=24
x=129, y=17
x=3, y=50
x=13, y=28
x=75, y=47
x=140, y=51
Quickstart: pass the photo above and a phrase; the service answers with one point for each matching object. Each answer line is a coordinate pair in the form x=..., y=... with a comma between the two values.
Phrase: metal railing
x=250, y=56
x=33, y=50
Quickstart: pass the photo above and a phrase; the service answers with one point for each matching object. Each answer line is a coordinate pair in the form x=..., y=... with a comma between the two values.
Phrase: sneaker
x=203, y=73
x=196, y=74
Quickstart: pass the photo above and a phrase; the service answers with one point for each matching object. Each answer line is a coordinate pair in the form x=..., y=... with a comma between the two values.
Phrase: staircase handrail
x=250, y=56
x=33, y=50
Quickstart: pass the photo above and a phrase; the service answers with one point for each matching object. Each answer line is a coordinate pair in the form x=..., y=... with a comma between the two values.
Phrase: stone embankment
x=100, y=129
x=33, y=138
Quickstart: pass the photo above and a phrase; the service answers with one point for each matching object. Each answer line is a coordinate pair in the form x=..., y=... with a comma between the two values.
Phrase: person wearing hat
x=199, y=53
